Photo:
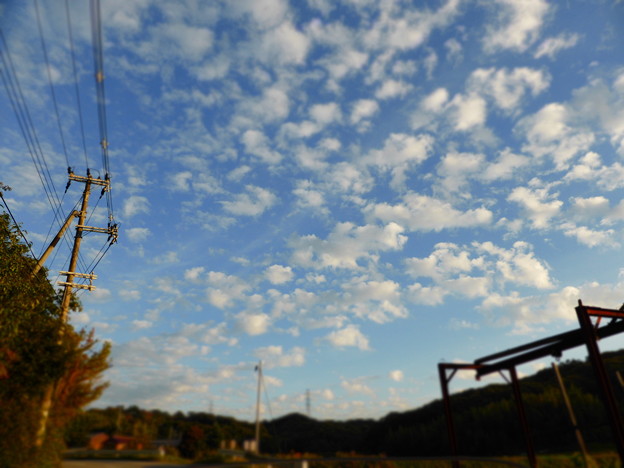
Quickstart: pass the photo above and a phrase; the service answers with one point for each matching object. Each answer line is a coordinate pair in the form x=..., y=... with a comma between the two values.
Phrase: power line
x=20, y=108
x=52, y=92
x=15, y=223
x=98, y=59
x=78, y=101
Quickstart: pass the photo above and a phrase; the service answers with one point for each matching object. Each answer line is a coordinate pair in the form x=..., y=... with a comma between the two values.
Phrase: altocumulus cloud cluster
x=348, y=191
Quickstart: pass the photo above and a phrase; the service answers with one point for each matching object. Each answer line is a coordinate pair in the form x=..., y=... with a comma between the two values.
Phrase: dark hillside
x=486, y=418
x=299, y=433
x=486, y=421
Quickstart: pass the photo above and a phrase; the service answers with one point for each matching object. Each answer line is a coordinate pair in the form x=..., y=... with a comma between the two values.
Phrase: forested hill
x=485, y=418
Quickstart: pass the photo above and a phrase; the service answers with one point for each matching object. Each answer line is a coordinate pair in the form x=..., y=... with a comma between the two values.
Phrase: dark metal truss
x=588, y=333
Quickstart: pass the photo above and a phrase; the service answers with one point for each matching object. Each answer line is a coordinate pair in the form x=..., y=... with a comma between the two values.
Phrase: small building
x=104, y=441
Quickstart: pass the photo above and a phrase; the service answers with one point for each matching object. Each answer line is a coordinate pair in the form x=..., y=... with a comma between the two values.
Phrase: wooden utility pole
x=71, y=274
x=259, y=370
x=57, y=238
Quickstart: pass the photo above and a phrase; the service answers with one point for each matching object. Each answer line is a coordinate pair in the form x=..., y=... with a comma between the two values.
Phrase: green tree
x=193, y=442
x=37, y=352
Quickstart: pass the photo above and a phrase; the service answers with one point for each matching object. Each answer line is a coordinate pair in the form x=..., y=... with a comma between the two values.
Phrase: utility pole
x=71, y=274
x=308, y=403
x=259, y=370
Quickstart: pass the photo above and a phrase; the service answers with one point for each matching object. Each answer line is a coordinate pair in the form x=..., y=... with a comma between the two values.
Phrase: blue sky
x=349, y=191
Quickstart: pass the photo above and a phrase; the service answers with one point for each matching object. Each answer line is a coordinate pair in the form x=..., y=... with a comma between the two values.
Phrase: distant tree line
x=486, y=422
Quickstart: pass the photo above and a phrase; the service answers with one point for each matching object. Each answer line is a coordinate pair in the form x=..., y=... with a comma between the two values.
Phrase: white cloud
x=346, y=178
x=469, y=111
x=257, y=143
x=79, y=318
x=130, y=294
x=525, y=314
x=400, y=148
x=458, y=324
x=253, y=203
x=536, y=205
x=189, y=41
x=273, y=105
x=422, y=213
x=468, y=286
x=517, y=25
x=134, y=205
x=396, y=375
x=346, y=245
x=274, y=356
x=309, y=197
x=137, y=234
x=447, y=259
x=392, y=89
x=224, y=289
x=181, y=181
x=548, y=133
x=325, y=114
x=379, y=301
x=100, y=295
x=456, y=168
x=519, y=265
x=265, y=13
x=553, y=45
x=590, y=237
x=588, y=208
x=477, y=270
x=141, y=324
x=193, y=274
x=507, y=87
x=400, y=151
x=278, y=274
x=363, y=109
x=454, y=48
x=284, y=45
x=357, y=386
x=505, y=167
x=347, y=337
x=253, y=324
x=167, y=257
x=407, y=29
x=435, y=101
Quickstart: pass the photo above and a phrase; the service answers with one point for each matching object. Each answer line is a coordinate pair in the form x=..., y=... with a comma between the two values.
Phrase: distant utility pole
x=259, y=370
x=308, y=402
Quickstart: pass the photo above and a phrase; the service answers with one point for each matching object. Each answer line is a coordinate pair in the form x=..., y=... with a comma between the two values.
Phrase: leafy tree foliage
x=38, y=352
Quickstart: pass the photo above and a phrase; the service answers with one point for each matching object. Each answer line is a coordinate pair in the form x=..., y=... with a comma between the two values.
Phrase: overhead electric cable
x=16, y=97
x=266, y=397
x=98, y=59
x=49, y=73
x=78, y=101
x=27, y=135
x=15, y=223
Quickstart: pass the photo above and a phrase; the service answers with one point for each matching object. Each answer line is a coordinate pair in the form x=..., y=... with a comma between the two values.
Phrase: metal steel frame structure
x=588, y=333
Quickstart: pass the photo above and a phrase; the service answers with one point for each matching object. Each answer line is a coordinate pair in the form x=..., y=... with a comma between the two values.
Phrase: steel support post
x=606, y=390
x=528, y=440
x=575, y=426
x=446, y=399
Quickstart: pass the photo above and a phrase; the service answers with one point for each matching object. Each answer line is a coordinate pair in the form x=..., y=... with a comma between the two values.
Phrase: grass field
x=575, y=460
